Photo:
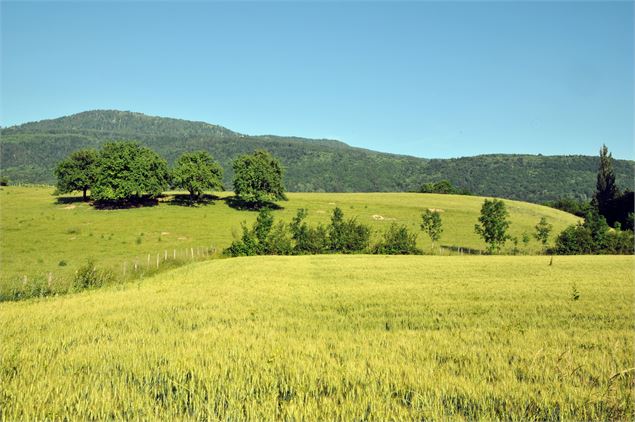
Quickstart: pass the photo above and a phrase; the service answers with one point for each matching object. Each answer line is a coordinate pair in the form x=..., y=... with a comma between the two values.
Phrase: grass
x=38, y=233
x=332, y=338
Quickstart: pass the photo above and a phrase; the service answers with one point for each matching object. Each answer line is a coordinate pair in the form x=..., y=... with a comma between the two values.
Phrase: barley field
x=332, y=338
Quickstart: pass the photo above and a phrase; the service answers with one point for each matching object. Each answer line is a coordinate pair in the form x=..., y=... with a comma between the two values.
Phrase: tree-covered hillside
x=29, y=153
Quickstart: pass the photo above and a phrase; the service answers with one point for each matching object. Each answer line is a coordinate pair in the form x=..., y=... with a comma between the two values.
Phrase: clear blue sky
x=428, y=79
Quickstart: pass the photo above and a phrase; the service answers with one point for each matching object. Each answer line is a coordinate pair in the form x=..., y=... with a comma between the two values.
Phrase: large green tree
x=493, y=224
x=77, y=172
x=606, y=189
x=258, y=177
x=197, y=172
x=127, y=170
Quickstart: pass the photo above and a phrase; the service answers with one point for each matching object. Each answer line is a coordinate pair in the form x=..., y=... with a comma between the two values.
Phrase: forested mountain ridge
x=29, y=153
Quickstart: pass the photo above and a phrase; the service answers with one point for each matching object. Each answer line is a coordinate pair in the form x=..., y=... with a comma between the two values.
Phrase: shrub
x=262, y=239
x=89, y=276
x=308, y=240
x=574, y=240
x=397, y=240
x=347, y=236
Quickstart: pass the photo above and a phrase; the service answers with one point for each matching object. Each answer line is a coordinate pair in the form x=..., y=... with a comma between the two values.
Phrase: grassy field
x=332, y=338
x=41, y=235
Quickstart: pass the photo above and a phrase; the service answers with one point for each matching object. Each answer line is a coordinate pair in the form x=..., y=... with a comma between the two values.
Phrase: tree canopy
x=197, y=172
x=432, y=225
x=258, y=177
x=77, y=172
x=493, y=224
x=127, y=170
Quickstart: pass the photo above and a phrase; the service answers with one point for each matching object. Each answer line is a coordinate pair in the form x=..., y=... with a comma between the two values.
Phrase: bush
x=308, y=240
x=397, y=240
x=574, y=240
x=262, y=239
x=89, y=276
x=347, y=236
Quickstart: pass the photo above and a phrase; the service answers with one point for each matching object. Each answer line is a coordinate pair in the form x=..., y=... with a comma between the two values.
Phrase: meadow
x=332, y=338
x=43, y=235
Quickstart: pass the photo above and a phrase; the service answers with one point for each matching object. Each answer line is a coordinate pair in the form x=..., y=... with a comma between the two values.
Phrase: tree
x=77, y=172
x=543, y=230
x=397, y=240
x=606, y=189
x=258, y=177
x=432, y=225
x=347, y=236
x=493, y=224
x=127, y=170
x=197, y=172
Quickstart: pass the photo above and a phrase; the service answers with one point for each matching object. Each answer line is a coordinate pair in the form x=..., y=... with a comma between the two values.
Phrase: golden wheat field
x=332, y=338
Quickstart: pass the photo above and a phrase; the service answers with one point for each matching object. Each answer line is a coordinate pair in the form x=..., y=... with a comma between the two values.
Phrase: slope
x=40, y=233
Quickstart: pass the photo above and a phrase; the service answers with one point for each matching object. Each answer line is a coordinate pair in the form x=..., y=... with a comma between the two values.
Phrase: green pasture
x=329, y=337
x=41, y=235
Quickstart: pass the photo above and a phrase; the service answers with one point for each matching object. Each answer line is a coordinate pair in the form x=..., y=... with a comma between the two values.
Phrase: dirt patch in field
x=165, y=233
x=320, y=212
x=378, y=217
x=436, y=210
x=69, y=207
x=332, y=203
x=181, y=238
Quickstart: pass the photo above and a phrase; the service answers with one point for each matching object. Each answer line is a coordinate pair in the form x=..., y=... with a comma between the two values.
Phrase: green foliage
x=347, y=236
x=594, y=237
x=30, y=152
x=574, y=240
x=127, y=170
x=89, y=276
x=606, y=189
x=432, y=225
x=308, y=239
x=4, y=181
x=397, y=240
x=543, y=230
x=77, y=172
x=197, y=172
x=570, y=205
x=341, y=236
x=443, y=186
x=493, y=224
x=262, y=239
x=258, y=177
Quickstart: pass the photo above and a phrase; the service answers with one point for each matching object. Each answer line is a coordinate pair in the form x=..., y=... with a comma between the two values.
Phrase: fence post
x=192, y=250
x=124, y=268
x=165, y=255
x=175, y=254
x=148, y=260
x=157, y=260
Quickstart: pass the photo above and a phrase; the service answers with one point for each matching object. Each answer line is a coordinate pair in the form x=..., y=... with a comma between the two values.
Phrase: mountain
x=29, y=153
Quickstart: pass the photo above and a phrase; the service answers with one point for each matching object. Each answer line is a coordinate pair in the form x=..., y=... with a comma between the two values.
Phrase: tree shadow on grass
x=65, y=200
x=242, y=205
x=184, y=200
x=463, y=250
x=126, y=204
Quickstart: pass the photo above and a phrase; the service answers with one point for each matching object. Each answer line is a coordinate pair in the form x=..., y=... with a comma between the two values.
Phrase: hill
x=331, y=338
x=29, y=153
x=39, y=233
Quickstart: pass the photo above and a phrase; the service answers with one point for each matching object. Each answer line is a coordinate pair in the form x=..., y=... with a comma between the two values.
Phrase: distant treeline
x=30, y=152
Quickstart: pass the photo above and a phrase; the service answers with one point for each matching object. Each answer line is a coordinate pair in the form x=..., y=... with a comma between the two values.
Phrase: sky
x=428, y=79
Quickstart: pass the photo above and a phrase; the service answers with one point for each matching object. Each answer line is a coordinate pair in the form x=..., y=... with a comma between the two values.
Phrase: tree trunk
x=85, y=194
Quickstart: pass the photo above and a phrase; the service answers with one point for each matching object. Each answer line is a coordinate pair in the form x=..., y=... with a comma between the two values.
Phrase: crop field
x=332, y=338
x=41, y=235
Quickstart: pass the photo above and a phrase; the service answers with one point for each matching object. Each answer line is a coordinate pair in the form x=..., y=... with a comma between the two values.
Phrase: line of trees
x=125, y=171
x=345, y=236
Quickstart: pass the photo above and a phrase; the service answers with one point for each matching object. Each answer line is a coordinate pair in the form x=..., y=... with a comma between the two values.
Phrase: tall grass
x=332, y=338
